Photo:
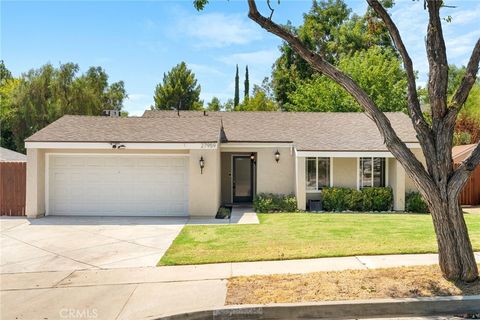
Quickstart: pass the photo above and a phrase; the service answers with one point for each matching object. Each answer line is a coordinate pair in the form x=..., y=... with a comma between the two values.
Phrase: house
x=470, y=194
x=190, y=163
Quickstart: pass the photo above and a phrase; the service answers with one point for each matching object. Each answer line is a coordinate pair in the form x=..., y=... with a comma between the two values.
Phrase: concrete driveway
x=76, y=243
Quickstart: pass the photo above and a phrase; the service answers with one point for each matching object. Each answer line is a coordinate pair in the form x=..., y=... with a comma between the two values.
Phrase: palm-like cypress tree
x=247, y=85
x=236, y=99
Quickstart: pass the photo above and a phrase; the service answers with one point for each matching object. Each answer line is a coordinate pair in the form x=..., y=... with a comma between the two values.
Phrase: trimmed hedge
x=269, y=202
x=414, y=203
x=367, y=199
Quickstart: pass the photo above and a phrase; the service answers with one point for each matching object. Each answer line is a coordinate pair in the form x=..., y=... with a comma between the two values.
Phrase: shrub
x=223, y=213
x=367, y=199
x=415, y=203
x=269, y=202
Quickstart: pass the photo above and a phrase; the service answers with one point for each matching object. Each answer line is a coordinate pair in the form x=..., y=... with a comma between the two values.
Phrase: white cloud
x=137, y=103
x=205, y=69
x=219, y=30
x=260, y=57
x=461, y=17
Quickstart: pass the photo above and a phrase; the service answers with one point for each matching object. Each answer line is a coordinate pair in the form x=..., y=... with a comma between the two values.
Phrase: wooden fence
x=13, y=177
x=470, y=194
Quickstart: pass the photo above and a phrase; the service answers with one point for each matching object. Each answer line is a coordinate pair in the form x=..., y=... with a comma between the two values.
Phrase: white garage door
x=129, y=185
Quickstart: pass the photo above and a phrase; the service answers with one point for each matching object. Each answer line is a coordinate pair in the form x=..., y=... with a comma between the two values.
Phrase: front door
x=242, y=179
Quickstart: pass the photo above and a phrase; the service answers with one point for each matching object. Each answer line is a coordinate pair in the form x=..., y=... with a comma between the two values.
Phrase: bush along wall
x=367, y=199
x=269, y=202
x=414, y=203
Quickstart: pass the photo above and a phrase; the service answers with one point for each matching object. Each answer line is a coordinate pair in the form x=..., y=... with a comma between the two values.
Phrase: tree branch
x=437, y=60
x=468, y=79
x=461, y=174
x=421, y=126
x=392, y=141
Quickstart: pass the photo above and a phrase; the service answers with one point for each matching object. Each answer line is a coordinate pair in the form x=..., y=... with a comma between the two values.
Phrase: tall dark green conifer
x=247, y=85
x=236, y=99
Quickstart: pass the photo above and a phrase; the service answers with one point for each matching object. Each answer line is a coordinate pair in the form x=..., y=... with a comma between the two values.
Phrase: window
x=372, y=172
x=317, y=173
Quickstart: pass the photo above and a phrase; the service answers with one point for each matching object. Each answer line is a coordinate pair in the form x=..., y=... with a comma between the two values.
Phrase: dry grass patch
x=402, y=282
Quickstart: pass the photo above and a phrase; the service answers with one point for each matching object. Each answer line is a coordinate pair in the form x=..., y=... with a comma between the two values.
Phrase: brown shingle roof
x=108, y=129
x=309, y=131
x=461, y=153
x=7, y=155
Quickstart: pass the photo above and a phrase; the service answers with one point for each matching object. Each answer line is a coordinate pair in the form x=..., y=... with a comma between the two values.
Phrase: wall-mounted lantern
x=277, y=156
x=252, y=157
x=202, y=164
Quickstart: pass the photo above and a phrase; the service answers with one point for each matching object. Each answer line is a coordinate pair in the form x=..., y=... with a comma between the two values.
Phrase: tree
x=178, y=90
x=378, y=71
x=214, y=105
x=439, y=183
x=236, y=99
x=259, y=101
x=328, y=28
x=247, y=85
x=41, y=96
x=5, y=74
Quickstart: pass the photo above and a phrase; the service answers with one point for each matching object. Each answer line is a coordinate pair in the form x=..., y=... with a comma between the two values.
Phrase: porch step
x=243, y=215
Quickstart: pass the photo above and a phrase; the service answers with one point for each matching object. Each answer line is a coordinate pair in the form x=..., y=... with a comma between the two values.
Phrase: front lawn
x=301, y=235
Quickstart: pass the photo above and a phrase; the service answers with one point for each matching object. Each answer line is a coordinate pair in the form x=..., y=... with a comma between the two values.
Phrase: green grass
x=299, y=235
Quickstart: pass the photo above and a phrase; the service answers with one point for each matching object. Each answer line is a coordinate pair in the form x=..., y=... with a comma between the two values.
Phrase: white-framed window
x=372, y=172
x=317, y=173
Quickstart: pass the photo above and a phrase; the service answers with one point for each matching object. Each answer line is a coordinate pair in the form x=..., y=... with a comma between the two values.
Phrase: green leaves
x=41, y=96
x=179, y=89
x=376, y=70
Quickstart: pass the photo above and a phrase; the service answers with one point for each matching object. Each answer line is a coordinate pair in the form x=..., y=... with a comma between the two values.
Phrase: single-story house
x=189, y=163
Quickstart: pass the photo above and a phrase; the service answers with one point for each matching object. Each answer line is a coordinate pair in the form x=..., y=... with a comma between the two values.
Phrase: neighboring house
x=470, y=194
x=12, y=182
x=190, y=163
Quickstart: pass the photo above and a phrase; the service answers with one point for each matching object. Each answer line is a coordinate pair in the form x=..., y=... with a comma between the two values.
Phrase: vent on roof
x=111, y=113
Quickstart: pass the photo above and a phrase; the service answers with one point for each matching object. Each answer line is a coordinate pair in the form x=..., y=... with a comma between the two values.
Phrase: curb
x=405, y=307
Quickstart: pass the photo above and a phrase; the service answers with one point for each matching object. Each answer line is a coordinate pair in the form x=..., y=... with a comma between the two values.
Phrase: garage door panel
x=117, y=185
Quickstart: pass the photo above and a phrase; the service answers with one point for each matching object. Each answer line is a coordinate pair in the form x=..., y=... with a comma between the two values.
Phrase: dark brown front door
x=242, y=179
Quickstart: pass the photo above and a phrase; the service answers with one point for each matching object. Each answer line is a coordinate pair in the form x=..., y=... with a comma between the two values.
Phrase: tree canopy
x=331, y=29
x=40, y=96
x=178, y=90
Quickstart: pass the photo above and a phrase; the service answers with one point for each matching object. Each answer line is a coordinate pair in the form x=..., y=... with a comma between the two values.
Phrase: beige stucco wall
x=271, y=176
x=344, y=172
x=396, y=180
x=35, y=197
x=300, y=187
x=204, y=194
x=409, y=184
x=204, y=189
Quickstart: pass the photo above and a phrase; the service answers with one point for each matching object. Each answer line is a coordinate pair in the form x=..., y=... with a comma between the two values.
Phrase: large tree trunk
x=455, y=253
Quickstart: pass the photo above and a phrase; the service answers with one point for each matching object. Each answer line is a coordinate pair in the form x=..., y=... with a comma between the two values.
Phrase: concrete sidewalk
x=141, y=293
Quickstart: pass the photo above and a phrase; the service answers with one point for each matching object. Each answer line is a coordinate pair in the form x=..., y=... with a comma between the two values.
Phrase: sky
x=139, y=41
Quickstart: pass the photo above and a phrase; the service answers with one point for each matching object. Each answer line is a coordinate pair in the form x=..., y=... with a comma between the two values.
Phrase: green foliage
x=223, y=213
x=330, y=29
x=236, y=98
x=414, y=203
x=214, y=105
x=269, y=202
x=178, y=90
x=258, y=102
x=367, y=199
x=378, y=71
x=41, y=96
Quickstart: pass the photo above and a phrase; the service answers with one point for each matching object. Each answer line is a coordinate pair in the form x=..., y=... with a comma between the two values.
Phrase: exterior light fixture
x=116, y=145
x=202, y=164
x=277, y=156
x=252, y=156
